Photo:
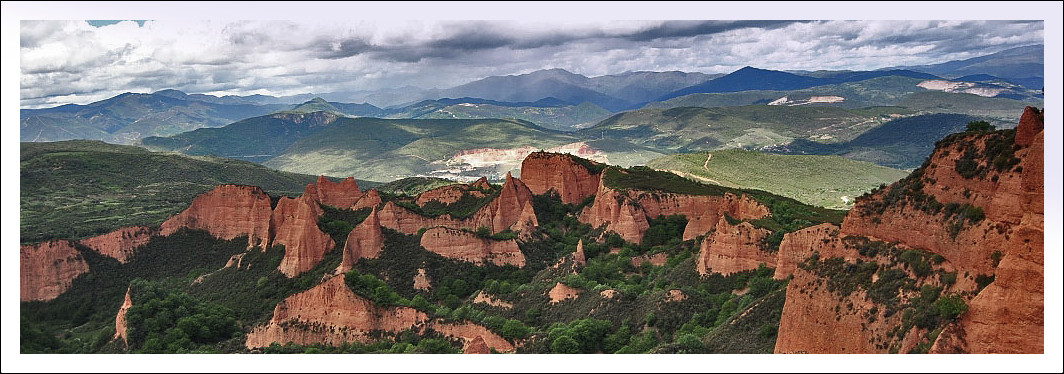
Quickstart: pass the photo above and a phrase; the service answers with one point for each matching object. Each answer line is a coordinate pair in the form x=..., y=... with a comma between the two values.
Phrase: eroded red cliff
x=295, y=225
x=977, y=204
x=364, y=241
x=341, y=195
x=47, y=269
x=731, y=249
x=120, y=244
x=466, y=246
x=544, y=171
x=226, y=212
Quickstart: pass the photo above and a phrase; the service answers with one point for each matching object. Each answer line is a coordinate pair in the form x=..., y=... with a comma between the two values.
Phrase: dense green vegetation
x=827, y=181
x=162, y=320
x=77, y=189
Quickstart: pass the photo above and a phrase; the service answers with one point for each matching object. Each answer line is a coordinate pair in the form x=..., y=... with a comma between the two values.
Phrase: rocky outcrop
x=370, y=199
x=484, y=298
x=120, y=320
x=578, y=257
x=422, y=280
x=675, y=296
x=730, y=249
x=450, y=194
x=364, y=241
x=331, y=314
x=561, y=292
x=510, y=210
x=573, y=182
x=295, y=225
x=477, y=346
x=1007, y=316
x=47, y=269
x=799, y=245
x=341, y=195
x=466, y=246
x=627, y=212
x=226, y=212
x=120, y=244
x=657, y=259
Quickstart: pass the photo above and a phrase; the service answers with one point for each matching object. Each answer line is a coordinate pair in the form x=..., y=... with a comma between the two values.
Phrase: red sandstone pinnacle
x=364, y=241
x=47, y=269
x=544, y=171
x=120, y=320
x=731, y=249
x=341, y=195
x=295, y=225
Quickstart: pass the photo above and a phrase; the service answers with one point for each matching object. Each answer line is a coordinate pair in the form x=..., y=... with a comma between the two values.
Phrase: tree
x=514, y=329
x=980, y=126
x=565, y=344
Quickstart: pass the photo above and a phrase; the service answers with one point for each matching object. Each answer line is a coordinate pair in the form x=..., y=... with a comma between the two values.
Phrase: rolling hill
x=827, y=181
x=74, y=189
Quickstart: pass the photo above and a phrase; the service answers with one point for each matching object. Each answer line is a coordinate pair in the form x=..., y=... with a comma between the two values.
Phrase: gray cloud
x=73, y=62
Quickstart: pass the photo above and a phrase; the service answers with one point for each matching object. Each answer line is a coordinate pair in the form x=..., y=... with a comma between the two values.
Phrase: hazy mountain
x=1022, y=65
x=750, y=78
x=130, y=116
x=549, y=112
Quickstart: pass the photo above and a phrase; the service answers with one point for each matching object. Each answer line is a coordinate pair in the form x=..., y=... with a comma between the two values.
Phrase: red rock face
x=512, y=209
x=627, y=212
x=452, y=193
x=371, y=199
x=422, y=280
x=341, y=195
x=578, y=256
x=120, y=320
x=1005, y=317
x=730, y=249
x=295, y=225
x=364, y=241
x=120, y=244
x=331, y=314
x=466, y=246
x=46, y=270
x=561, y=292
x=477, y=346
x=544, y=171
x=226, y=212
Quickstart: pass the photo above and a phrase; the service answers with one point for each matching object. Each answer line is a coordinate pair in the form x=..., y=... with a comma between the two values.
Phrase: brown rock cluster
x=730, y=249
x=573, y=182
x=120, y=244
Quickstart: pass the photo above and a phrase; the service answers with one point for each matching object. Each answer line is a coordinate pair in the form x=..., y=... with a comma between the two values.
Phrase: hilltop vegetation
x=76, y=189
x=826, y=181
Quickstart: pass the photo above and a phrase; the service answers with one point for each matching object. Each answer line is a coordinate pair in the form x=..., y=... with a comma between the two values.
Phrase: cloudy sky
x=76, y=61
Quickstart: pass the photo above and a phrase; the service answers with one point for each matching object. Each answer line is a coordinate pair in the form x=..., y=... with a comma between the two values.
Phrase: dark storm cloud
x=683, y=29
x=336, y=49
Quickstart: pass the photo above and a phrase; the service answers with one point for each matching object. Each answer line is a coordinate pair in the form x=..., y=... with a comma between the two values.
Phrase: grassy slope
x=75, y=189
x=816, y=180
x=384, y=149
x=688, y=129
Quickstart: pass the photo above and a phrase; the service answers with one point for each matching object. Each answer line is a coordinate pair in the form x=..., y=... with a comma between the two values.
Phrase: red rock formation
x=295, y=225
x=468, y=332
x=476, y=346
x=331, y=314
x=484, y=298
x=675, y=296
x=120, y=244
x=371, y=199
x=47, y=269
x=422, y=281
x=799, y=245
x=226, y=212
x=572, y=181
x=1005, y=317
x=578, y=256
x=120, y=320
x=364, y=241
x=730, y=249
x=511, y=209
x=626, y=212
x=450, y=194
x=466, y=246
x=341, y=195
x=1008, y=316
x=561, y=292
